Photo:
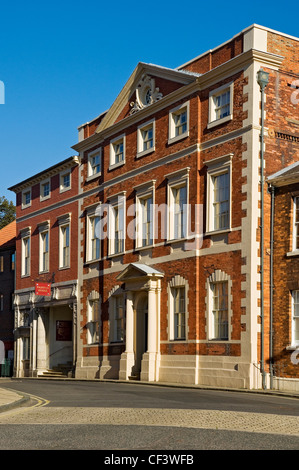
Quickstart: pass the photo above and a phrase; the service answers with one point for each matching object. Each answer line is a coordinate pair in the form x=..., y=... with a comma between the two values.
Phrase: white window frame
x=25, y=265
x=44, y=228
x=91, y=216
x=218, y=277
x=93, y=318
x=295, y=318
x=28, y=204
x=177, y=282
x=113, y=154
x=64, y=221
x=213, y=121
x=117, y=208
x=141, y=151
x=90, y=173
x=144, y=192
x=295, y=224
x=42, y=185
x=62, y=186
x=173, y=136
x=217, y=167
x=176, y=181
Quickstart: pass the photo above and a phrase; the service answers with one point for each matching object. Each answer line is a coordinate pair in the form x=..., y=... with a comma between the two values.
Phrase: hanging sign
x=43, y=288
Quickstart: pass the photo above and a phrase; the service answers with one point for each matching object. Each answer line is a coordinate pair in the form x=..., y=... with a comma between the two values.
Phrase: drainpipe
x=262, y=79
x=272, y=191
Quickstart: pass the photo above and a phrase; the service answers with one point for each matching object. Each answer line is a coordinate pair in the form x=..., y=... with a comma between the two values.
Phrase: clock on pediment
x=146, y=94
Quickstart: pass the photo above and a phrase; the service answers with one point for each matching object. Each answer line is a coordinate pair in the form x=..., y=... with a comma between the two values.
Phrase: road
x=83, y=415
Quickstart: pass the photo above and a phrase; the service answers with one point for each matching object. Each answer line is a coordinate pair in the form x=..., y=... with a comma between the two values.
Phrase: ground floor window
x=178, y=308
x=179, y=312
x=93, y=323
x=219, y=310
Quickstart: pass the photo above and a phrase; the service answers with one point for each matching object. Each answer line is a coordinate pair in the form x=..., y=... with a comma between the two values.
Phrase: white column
x=152, y=321
x=127, y=360
x=149, y=359
x=34, y=343
x=41, y=343
x=129, y=323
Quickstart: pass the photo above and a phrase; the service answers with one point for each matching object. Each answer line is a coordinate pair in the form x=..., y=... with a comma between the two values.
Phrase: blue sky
x=63, y=63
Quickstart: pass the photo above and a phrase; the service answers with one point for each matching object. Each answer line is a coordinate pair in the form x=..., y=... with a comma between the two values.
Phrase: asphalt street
x=74, y=415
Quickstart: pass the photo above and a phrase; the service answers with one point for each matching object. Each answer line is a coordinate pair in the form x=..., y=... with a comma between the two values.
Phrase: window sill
x=115, y=255
x=218, y=122
x=145, y=152
x=26, y=206
x=172, y=140
x=217, y=232
x=92, y=261
x=62, y=268
x=44, y=198
x=292, y=253
x=116, y=165
x=93, y=177
x=63, y=190
x=146, y=247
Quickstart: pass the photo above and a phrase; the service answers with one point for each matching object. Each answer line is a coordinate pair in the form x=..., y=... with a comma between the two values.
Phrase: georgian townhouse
x=176, y=287
x=173, y=218
x=45, y=299
x=7, y=285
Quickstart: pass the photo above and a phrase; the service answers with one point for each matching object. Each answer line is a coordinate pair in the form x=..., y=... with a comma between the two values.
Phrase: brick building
x=173, y=266
x=7, y=285
x=46, y=254
x=284, y=314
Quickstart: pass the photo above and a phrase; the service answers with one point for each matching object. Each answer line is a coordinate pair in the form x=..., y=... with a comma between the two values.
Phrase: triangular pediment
x=138, y=270
x=148, y=84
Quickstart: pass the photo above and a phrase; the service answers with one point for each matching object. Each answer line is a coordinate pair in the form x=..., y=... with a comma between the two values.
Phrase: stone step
x=52, y=373
x=134, y=377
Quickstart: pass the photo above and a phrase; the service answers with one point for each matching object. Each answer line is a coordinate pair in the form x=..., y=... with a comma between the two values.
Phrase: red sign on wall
x=42, y=288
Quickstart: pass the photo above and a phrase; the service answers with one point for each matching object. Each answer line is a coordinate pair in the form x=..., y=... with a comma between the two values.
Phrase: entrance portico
x=142, y=285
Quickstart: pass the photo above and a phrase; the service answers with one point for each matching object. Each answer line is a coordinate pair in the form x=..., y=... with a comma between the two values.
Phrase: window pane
x=221, y=201
x=220, y=310
x=179, y=312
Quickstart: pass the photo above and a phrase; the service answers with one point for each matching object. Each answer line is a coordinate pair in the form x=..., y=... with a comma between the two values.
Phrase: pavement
x=10, y=399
